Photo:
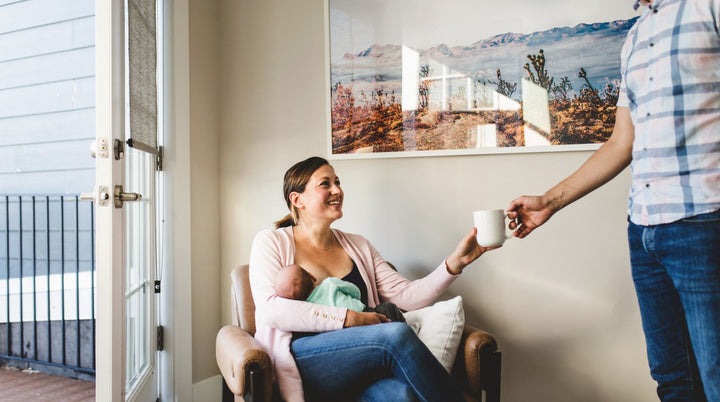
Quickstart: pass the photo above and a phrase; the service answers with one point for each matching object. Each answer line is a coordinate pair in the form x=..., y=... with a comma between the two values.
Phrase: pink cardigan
x=276, y=318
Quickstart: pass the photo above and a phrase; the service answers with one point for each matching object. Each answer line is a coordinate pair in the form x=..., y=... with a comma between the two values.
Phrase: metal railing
x=47, y=283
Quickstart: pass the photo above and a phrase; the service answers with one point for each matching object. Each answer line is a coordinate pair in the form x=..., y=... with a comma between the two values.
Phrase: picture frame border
x=416, y=154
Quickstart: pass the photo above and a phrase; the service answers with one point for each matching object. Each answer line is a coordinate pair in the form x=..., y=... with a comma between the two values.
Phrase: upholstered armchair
x=247, y=368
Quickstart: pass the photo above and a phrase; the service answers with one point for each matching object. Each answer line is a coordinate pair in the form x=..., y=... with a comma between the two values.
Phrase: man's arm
x=603, y=165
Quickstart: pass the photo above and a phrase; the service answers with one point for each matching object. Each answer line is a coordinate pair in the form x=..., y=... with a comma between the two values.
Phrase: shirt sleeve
x=407, y=294
x=623, y=98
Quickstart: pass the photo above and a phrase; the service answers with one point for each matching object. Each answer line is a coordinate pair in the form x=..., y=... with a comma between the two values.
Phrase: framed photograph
x=456, y=77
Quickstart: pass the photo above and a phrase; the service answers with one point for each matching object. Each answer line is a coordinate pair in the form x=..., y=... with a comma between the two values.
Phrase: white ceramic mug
x=490, y=224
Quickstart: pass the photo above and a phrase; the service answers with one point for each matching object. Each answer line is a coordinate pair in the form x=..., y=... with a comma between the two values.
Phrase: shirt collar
x=639, y=3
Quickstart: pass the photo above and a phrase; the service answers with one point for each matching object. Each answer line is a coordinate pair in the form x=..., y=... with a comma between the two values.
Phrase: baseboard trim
x=208, y=390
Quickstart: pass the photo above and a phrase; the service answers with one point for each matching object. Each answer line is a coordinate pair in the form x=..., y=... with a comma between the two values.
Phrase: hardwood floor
x=24, y=386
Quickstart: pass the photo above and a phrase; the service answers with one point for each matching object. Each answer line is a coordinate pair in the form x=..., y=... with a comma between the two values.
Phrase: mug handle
x=508, y=236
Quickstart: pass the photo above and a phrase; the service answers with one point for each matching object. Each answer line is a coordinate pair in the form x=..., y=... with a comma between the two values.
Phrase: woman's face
x=323, y=197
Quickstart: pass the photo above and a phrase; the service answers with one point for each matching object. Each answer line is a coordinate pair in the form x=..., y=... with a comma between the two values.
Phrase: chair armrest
x=478, y=361
x=237, y=352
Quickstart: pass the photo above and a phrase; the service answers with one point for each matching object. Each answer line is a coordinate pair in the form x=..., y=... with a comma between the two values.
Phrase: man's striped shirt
x=671, y=84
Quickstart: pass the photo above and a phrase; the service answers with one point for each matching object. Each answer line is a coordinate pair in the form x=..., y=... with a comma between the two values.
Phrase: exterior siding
x=47, y=96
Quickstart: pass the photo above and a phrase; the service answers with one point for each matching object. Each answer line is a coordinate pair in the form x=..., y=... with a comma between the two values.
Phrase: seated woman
x=347, y=357
x=294, y=282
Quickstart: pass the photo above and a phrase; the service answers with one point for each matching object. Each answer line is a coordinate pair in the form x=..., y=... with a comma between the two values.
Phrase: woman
x=339, y=353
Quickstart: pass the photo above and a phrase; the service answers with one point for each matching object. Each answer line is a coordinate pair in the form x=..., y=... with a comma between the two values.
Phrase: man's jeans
x=383, y=362
x=676, y=270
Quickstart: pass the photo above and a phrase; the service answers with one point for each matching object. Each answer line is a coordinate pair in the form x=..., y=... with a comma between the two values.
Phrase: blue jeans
x=383, y=362
x=676, y=270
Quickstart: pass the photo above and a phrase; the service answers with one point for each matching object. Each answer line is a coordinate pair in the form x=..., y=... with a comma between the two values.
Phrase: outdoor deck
x=36, y=386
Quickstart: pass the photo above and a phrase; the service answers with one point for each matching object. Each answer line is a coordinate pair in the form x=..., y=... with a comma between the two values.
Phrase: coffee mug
x=490, y=224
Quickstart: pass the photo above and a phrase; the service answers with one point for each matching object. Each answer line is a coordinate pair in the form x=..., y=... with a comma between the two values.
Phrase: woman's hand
x=467, y=251
x=355, y=319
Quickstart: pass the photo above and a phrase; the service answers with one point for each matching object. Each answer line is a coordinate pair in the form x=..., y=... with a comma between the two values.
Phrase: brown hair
x=296, y=178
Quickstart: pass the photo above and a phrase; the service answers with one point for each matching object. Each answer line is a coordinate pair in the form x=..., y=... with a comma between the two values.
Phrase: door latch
x=102, y=196
x=121, y=197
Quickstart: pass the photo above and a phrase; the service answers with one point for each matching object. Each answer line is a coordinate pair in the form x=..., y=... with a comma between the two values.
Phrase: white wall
x=560, y=303
x=204, y=182
x=191, y=272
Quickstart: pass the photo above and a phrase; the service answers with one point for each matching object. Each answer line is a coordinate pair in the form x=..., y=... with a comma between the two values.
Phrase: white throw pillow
x=440, y=327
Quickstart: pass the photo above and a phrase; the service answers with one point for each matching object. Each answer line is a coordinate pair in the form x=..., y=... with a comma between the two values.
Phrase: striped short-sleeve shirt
x=670, y=66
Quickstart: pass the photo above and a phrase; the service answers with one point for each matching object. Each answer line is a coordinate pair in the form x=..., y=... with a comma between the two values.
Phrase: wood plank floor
x=23, y=386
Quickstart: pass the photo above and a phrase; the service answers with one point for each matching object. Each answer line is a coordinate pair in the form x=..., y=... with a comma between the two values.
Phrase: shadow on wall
x=559, y=343
x=570, y=368
x=538, y=375
x=536, y=371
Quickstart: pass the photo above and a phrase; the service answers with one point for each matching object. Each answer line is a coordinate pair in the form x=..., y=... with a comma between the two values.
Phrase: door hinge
x=160, y=337
x=159, y=159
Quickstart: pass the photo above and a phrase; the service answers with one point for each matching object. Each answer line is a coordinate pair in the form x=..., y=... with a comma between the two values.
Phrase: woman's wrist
x=452, y=267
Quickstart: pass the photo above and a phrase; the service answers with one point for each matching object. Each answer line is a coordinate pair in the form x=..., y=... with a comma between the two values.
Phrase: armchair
x=247, y=369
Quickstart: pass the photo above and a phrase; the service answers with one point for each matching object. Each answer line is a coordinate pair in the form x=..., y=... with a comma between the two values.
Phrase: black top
x=357, y=280
x=354, y=278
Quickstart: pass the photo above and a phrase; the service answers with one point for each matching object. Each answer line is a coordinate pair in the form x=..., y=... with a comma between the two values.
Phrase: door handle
x=121, y=197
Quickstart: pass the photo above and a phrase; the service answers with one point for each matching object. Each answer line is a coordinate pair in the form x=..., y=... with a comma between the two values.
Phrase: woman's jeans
x=676, y=270
x=383, y=362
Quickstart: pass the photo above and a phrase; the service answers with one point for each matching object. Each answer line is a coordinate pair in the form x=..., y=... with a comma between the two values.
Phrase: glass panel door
x=125, y=234
x=140, y=249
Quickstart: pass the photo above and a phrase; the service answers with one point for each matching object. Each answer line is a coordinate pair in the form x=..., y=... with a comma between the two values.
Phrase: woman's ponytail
x=285, y=222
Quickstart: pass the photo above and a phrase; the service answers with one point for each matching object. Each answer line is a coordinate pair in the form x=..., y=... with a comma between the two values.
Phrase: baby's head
x=293, y=282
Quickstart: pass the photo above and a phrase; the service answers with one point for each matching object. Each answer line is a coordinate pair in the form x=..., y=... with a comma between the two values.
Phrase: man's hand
x=527, y=213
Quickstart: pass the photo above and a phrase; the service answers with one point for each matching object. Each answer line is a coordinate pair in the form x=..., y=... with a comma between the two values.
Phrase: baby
x=294, y=282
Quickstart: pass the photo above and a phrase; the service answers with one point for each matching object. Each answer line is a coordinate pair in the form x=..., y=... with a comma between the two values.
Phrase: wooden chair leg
x=255, y=391
x=492, y=388
x=227, y=395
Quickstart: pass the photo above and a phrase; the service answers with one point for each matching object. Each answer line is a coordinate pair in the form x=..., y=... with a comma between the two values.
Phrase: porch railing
x=47, y=283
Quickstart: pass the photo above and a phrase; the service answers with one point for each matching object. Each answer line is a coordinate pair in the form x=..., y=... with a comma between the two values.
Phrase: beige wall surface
x=204, y=186
x=561, y=303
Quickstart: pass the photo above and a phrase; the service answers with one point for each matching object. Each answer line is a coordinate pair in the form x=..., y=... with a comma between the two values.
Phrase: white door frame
x=109, y=125
x=176, y=379
x=110, y=254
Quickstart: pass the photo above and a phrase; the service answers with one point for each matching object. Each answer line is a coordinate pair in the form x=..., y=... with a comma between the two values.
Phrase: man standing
x=668, y=129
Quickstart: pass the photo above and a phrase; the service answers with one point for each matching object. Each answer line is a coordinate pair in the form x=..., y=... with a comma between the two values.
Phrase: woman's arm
x=407, y=294
x=412, y=295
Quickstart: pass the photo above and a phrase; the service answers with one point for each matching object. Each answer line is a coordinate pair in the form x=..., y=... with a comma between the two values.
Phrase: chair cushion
x=440, y=327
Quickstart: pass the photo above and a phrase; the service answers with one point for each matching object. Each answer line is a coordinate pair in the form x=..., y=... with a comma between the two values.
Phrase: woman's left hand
x=467, y=251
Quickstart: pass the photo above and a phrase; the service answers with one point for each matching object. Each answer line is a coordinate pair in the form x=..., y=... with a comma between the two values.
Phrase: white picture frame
x=409, y=78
